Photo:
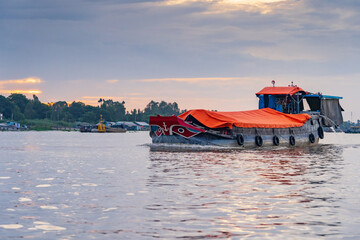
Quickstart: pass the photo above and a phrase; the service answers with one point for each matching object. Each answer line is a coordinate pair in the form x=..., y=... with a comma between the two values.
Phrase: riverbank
x=48, y=125
x=37, y=125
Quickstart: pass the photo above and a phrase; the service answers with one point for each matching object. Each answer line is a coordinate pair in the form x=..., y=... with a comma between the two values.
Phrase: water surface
x=70, y=185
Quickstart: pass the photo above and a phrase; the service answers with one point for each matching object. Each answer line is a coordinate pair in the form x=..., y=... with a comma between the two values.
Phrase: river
x=71, y=185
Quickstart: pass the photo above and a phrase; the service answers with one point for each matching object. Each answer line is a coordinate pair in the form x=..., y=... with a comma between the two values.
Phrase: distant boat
x=115, y=129
x=101, y=127
x=353, y=129
x=87, y=128
x=279, y=121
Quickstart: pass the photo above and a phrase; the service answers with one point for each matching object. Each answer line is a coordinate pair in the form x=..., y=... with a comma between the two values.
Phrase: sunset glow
x=112, y=81
x=30, y=80
x=250, y=2
x=223, y=6
x=189, y=80
x=21, y=91
x=6, y=86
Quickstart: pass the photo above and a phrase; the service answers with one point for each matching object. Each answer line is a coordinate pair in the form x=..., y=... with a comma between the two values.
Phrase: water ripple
x=57, y=185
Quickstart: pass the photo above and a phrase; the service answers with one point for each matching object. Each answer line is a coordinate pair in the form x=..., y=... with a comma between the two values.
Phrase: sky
x=211, y=54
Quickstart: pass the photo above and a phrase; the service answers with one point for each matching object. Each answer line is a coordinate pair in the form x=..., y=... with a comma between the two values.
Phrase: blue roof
x=323, y=96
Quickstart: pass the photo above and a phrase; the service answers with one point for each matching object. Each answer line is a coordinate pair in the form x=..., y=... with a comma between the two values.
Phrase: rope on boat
x=328, y=119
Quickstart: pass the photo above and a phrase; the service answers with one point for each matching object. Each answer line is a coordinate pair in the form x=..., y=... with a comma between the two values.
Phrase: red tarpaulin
x=261, y=118
x=280, y=90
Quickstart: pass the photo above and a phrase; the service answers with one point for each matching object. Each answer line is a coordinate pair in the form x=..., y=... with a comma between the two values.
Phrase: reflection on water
x=256, y=193
x=119, y=186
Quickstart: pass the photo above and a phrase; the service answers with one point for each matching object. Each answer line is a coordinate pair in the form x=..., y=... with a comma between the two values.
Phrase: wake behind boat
x=280, y=121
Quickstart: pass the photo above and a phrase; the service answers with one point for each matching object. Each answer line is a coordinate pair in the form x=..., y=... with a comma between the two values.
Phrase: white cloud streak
x=30, y=80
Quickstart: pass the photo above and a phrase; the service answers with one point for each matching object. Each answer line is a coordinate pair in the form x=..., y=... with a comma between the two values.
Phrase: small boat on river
x=353, y=129
x=281, y=120
x=102, y=127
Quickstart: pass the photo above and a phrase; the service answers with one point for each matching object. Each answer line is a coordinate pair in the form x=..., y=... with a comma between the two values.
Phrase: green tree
x=29, y=112
x=19, y=100
x=41, y=110
x=163, y=108
x=18, y=107
x=112, y=111
x=90, y=117
x=17, y=115
x=6, y=107
x=76, y=109
x=58, y=110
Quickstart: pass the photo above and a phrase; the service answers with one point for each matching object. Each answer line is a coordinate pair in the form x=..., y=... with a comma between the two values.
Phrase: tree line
x=18, y=107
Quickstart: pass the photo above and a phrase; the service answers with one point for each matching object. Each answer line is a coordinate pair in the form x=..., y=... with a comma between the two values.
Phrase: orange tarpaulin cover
x=280, y=90
x=261, y=118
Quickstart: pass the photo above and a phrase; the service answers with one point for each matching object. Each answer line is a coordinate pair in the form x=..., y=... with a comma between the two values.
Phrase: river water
x=70, y=185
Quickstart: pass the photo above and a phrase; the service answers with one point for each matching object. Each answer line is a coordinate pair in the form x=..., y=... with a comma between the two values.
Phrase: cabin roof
x=280, y=90
x=323, y=96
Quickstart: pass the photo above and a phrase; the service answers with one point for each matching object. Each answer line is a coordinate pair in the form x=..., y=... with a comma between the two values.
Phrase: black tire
x=151, y=133
x=240, y=139
x=311, y=138
x=321, y=132
x=276, y=140
x=258, y=141
x=292, y=140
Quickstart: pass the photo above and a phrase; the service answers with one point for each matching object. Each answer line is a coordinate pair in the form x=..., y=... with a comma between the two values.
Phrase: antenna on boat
x=273, y=83
x=292, y=84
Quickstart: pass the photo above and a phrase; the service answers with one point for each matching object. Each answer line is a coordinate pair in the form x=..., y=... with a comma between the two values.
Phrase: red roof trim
x=280, y=90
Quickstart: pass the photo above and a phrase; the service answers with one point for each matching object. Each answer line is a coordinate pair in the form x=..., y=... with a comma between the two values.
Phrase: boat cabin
x=292, y=99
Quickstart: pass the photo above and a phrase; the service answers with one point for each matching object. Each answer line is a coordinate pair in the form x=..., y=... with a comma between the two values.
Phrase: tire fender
x=258, y=141
x=240, y=139
x=276, y=140
x=292, y=140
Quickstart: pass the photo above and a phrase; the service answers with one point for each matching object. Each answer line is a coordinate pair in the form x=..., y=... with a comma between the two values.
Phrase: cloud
x=132, y=100
x=7, y=85
x=98, y=97
x=190, y=80
x=205, y=82
x=35, y=91
x=45, y=10
x=225, y=6
x=30, y=80
x=112, y=81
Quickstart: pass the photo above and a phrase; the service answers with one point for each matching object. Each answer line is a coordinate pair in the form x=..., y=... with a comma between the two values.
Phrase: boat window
x=306, y=106
x=314, y=103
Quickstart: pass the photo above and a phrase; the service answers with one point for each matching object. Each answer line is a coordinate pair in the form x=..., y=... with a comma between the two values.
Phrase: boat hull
x=306, y=135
